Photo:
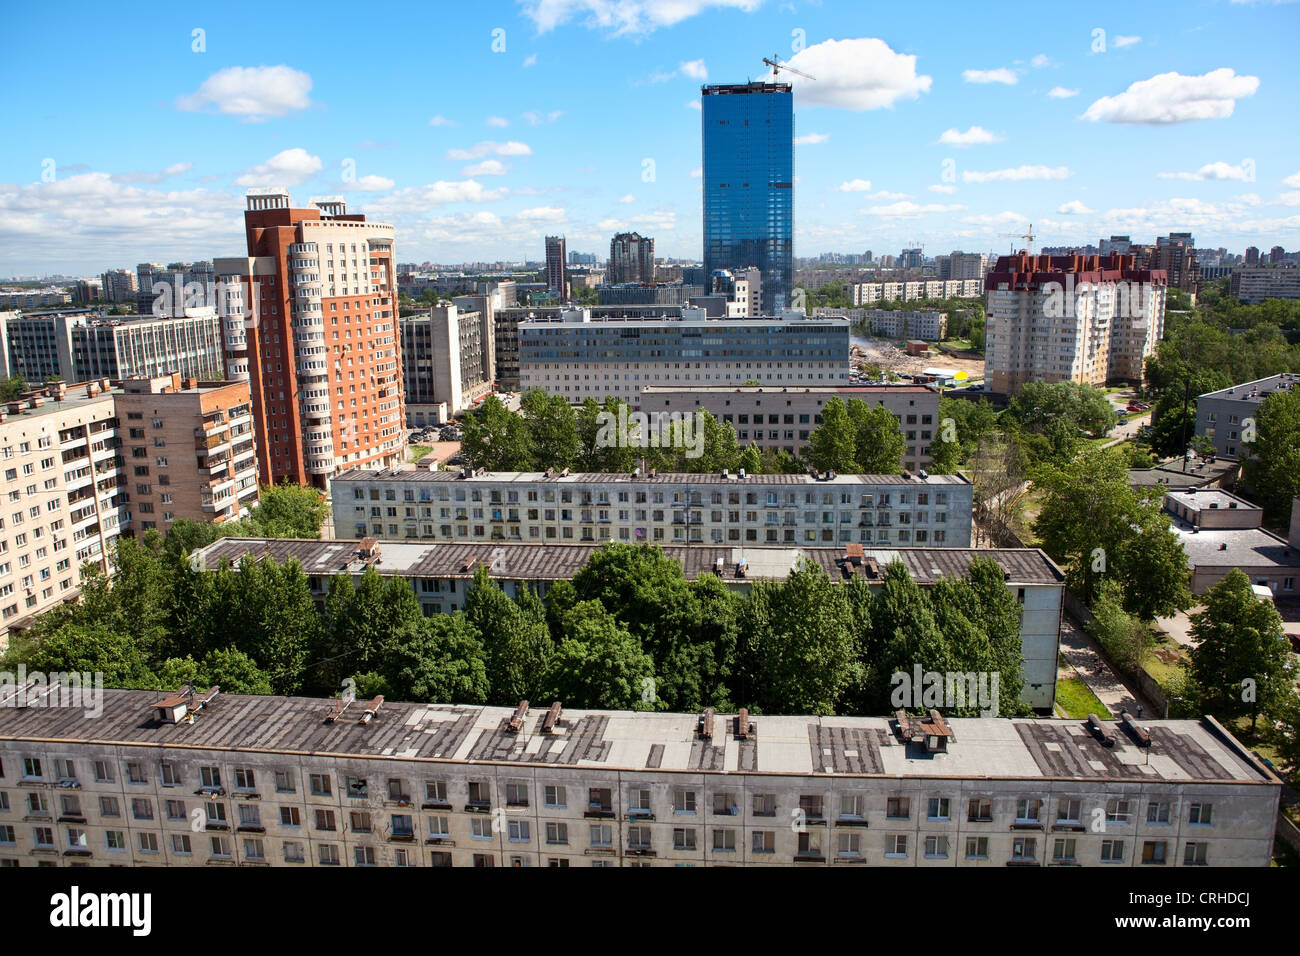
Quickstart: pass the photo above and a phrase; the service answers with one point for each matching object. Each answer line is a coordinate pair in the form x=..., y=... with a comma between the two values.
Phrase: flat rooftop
x=1258, y=389
x=1199, y=472
x=623, y=478
x=1207, y=498
x=1181, y=750
x=904, y=388
x=550, y=562
x=1234, y=547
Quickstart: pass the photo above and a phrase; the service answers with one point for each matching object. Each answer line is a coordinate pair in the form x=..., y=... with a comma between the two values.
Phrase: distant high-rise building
x=911, y=259
x=1252, y=256
x=963, y=265
x=321, y=403
x=631, y=259
x=748, y=146
x=1276, y=253
x=1175, y=254
x=557, y=280
x=119, y=285
x=1120, y=244
x=582, y=258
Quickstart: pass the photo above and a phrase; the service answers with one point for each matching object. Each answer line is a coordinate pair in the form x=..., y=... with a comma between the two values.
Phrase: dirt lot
x=891, y=358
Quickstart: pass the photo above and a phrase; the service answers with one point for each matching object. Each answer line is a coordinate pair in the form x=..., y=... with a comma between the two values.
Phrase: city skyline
x=587, y=124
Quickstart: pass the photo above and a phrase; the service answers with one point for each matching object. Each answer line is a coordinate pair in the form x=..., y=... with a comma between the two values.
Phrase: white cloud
x=855, y=186
x=999, y=75
x=141, y=177
x=911, y=210
x=697, y=172
x=1122, y=41
x=811, y=139
x=1217, y=171
x=253, y=92
x=1289, y=199
x=659, y=76
x=1040, y=61
x=371, y=184
x=1006, y=218
x=441, y=120
x=541, y=214
x=627, y=199
x=1016, y=174
x=858, y=74
x=538, y=119
x=530, y=60
x=1174, y=98
x=498, y=121
x=886, y=195
x=1061, y=93
x=490, y=148
x=975, y=136
x=661, y=220
x=693, y=104
x=948, y=190
x=287, y=168
x=86, y=219
x=695, y=69
x=1293, y=181
x=623, y=17
x=1073, y=208
x=489, y=167
x=410, y=200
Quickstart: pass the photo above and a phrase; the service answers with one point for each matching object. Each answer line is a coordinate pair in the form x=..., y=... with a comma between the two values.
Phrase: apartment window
x=516, y=794
x=480, y=828
x=764, y=804
x=1112, y=851
x=1119, y=811
x=977, y=848
x=1028, y=809
x=1199, y=814
x=284, y=782
x=724, y=841
x=142, y=809
x=638, y=838
x=364, y=855
x=557, y=833
x=811, y=805
x=360, y=821
x=293, y=852
x=1063, y=851
x=435, y=791
x=103, y=772
x=210, y=778
x=171, y=776
x=43, y=836
x=1157, y=813
x=325, y=820
x=937, y=809
x=254, y=850
x=320, y=785
x=355, y=787
x=638, y=801
x=483, y=861
x=1024, y=849
x=1194, y=854
x=518, y=831
x=108, y=807
x=176, y=810
x=32, y=768
x=329, y=855
x=216, y=813
x=898, y=808
x=980, y=810
x=439, y=858
x=148, y=842
x=683, y=801
x=1153, y=851
x=113, y=839
x=602, y=835
x=289, y=817
x=244, y=779
x=220, y=846
x=1068, y=811
x=181, y=843
x=936, y=847
x=895, y=845
x=554, y=796
x=683, y=838
x=480, y=794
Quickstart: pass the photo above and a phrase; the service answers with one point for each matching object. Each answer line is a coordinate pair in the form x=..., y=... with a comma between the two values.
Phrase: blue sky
x=477, y=129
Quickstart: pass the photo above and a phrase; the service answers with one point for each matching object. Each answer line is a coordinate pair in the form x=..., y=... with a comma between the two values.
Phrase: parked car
x=1123, y=420
x=1133, y=407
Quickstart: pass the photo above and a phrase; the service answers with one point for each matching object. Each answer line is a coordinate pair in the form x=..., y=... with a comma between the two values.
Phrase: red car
x=1134, y=407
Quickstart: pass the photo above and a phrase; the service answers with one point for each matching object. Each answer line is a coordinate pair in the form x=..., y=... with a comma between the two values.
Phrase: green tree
x=1120, y=635
x=878, y=439
x=599, y=664
x=1239, y=662
x=797, y=642
x=496, y=439
x=13, y=388
x=516, y=642
x=69, y=648
x=1273, y=470
x=1082, y=406
x=437, y=659
x=1173, y=419
x=751, y=460
x=833, y=444
x=553, y=428
x=289, y=511
x=234, y=671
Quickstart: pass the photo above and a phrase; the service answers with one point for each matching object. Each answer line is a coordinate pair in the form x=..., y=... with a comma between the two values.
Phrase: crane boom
x=1028, y=236
x=776, y=64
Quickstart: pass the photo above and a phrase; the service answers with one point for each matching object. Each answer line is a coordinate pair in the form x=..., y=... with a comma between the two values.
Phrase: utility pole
x=1187, y=397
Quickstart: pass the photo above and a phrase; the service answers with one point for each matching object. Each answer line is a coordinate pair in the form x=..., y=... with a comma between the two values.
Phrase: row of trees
x=628, y=632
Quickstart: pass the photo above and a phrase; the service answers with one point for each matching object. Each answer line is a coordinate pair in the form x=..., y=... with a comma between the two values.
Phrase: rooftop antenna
x=776, y=64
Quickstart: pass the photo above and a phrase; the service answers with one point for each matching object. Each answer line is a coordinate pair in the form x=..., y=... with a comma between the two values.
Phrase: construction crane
x=776, y=64
x=1027, y=236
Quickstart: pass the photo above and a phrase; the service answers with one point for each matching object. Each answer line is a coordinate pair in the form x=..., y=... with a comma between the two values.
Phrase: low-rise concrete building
x=440, y=575
x=1220, y=531
x=783, y=418
x=288, y=781
x=1226, y=416
x=464, y=505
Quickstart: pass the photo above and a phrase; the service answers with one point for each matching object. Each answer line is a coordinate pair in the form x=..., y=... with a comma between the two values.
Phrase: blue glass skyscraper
x=748, y=140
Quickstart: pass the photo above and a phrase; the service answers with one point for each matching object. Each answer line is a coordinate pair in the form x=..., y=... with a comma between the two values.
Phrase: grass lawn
x=418, y=451
x=1077, y=701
